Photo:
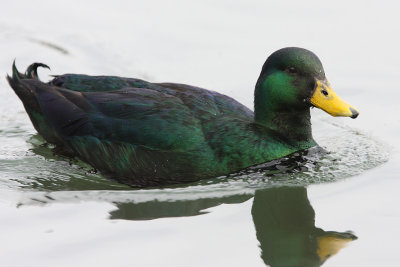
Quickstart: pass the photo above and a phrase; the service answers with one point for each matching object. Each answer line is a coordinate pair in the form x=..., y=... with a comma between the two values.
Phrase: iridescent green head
x=291, y=81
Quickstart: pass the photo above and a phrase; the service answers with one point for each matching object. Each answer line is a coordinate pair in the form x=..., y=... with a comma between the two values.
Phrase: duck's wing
x=127, y=133
x=200, y=100
x=106, y=95
x=134, y=115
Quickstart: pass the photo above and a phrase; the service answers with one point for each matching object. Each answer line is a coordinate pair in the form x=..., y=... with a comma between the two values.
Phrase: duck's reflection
x=162, y=209
x=285, y=226
x=283, y=217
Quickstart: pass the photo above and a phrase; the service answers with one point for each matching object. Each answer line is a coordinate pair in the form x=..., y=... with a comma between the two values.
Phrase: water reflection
x=161, y=209
x=283, y=217
x=285, y=226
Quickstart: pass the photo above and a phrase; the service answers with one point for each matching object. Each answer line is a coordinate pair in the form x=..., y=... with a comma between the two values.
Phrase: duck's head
x=293, y=80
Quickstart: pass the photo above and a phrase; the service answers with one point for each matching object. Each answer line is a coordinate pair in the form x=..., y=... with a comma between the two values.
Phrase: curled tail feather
x=31, y=71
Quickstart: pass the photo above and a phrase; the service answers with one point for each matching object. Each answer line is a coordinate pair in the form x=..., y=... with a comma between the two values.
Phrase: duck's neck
x=278, y=105
x=293, y=125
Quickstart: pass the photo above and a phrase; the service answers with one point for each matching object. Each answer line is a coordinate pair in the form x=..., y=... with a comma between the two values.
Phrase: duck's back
x=200, y=101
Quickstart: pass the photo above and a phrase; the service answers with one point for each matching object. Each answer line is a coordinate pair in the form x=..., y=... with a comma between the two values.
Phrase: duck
x=146, y=134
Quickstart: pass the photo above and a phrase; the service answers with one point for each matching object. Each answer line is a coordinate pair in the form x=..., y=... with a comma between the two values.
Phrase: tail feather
x=27, y=92
x=23, y=90
x=15, y=73
x=31, y=71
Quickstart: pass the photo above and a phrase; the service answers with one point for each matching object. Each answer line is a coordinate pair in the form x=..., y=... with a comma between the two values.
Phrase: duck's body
x=147, y=134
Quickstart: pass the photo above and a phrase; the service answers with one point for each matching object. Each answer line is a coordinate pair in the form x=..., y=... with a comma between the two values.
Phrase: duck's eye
x=292, y=70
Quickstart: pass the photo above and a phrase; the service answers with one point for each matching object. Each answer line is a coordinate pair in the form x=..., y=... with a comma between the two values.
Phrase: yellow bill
x=327, y=100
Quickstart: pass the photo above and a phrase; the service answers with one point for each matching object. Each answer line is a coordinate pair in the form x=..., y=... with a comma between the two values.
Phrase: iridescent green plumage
x=146, y=134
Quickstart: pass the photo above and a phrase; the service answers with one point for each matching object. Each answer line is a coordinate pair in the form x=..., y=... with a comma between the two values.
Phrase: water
x=294, y=212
